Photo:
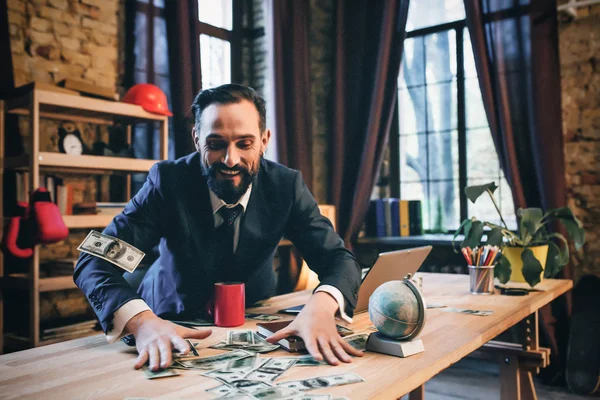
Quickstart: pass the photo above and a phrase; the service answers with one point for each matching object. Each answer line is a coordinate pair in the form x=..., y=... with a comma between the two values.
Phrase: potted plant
x=533, y=251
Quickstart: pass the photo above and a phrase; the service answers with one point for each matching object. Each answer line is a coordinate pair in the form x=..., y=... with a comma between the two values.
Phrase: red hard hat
x=150, y=97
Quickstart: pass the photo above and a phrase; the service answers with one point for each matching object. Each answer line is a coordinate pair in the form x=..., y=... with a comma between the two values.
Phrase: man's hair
x=228, y=94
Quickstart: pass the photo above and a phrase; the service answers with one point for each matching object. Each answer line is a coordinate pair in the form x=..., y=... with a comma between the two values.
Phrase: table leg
x=516, y=383
x=417, y=394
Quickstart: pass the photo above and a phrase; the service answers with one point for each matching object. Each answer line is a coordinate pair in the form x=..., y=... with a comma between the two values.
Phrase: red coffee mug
x=229, y=305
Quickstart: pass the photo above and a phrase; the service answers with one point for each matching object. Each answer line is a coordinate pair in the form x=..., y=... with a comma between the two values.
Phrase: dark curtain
x=292, y=85
x=516, y=55
x=369, y=39
x=184, y=64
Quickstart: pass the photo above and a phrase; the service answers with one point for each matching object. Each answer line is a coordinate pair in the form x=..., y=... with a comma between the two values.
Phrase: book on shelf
x=64, y=199
x=22, y=189
x=394, y=217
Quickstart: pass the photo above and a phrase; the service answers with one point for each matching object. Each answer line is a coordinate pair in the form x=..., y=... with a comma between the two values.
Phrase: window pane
x=161, y=53
x=413, y=158
x=444, y=205
x=216, y=12
x=411, y=109
x=424, y=13
x=441, y=107
x=412, y=71
x=140, y=41
x=443, y=155
x=476, y=116
x=482, y=159
x=215, y=58
x=441, y=56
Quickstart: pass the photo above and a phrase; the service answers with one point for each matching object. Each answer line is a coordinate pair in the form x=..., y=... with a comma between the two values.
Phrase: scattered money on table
x=479, y=313
x=112, y=249
x=213, y=362
x=264, y=317
x=240, y=337
x=322, y=381
x=271, y=369
x=358, y=341
x=315, y=397
x=343, y=331
x=277, y=393
x=307, y=361
x=260, y=345
x=161, y=373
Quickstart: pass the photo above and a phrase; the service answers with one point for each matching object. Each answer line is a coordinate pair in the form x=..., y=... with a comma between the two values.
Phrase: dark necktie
x=224, y=237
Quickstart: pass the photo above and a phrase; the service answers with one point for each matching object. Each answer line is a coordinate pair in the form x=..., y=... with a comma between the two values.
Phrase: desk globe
x=397, y=309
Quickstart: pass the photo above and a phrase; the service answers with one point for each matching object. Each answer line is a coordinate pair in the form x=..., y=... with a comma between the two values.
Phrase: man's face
x=231, y=146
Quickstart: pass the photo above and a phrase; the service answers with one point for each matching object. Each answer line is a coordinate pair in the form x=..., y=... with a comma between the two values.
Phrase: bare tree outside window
x=440, y=107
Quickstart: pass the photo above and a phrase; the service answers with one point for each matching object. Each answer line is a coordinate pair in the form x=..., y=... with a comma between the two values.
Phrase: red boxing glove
x=50, y=227
x=9, y=242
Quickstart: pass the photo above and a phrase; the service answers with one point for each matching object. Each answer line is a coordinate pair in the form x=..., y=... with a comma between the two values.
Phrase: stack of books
x=394, y=217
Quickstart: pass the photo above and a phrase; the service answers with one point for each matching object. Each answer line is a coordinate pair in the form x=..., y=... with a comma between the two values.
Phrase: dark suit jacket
x=173, y=209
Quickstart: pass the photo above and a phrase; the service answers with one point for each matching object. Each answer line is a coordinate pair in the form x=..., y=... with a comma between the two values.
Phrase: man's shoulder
x=277, y=172
x=189, y=163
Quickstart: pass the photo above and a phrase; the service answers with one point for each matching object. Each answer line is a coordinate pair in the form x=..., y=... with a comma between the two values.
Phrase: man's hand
x=316, y=326
x=155, y=338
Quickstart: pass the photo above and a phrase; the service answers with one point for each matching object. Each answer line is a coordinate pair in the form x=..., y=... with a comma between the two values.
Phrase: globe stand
x=406, y=345
x=399, y=348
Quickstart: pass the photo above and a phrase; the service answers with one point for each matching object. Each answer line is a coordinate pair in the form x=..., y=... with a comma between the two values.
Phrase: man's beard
x=226, y=189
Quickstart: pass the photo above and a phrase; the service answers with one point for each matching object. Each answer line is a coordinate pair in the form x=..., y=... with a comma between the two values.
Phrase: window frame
x=458, y=27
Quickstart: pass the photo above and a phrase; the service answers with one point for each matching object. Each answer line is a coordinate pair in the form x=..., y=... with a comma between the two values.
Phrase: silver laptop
x=390, y=266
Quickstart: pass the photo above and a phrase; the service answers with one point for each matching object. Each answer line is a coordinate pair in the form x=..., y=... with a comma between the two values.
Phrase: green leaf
x=495, y=236
x=530, y=222
x=553, y=264
x=502, y=270
x=531, y=267
x=465, y=224
x=473, y=238
x=571, y=223
x=563, y=252
x=473, y=192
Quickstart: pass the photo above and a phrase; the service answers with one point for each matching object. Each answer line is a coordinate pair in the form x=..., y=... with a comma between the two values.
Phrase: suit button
x=355, y=295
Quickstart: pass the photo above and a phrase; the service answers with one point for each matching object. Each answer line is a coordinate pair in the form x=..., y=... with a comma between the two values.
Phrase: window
x=443, y=142
x=219, y=33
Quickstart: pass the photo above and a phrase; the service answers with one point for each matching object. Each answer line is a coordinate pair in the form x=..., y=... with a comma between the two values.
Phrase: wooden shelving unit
x=35, y=102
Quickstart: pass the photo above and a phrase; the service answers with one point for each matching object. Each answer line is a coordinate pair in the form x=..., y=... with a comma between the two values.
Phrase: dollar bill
x=264, y=317
x=479, y=313
x=257, y=348
x=271, y=369
x=240, y=337
x=245, y=364
x=237, y=396
x=322, y=381
x=192, y=353
x=316, y=397
x=276, y=393
x=195, y=322
x=213, y=362
x=161, y=373
x=222, y=390
x=250, y=386
x=223, y=376
x=112, y=249
x=307, y=361
x=343, y=331
x=358, y=341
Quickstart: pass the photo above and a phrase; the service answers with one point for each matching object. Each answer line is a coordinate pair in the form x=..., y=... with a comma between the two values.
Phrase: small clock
x=70, y=142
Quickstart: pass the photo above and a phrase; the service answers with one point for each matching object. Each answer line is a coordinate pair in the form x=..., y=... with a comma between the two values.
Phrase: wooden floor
x=476, y=379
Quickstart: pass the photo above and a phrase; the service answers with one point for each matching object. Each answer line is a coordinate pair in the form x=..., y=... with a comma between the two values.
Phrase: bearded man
x=185, y=207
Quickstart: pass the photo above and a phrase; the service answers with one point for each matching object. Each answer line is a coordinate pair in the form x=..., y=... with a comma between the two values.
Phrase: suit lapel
x=201, y=220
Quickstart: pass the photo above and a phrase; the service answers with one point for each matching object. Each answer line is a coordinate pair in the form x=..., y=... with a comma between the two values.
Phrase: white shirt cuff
x=339, y=297
x=122, y=317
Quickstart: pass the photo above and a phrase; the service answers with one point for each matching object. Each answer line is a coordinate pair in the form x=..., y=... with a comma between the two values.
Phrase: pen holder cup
x=481, y=279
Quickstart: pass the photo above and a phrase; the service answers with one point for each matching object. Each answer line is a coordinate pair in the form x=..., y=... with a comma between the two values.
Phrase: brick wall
x=54, y=39
x=51, y=40
x=580, y=81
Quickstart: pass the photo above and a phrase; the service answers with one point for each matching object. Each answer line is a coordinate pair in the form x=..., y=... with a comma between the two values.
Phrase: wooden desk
x=91, y=368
